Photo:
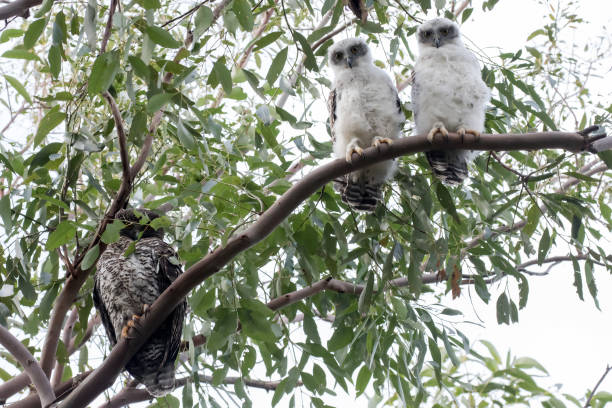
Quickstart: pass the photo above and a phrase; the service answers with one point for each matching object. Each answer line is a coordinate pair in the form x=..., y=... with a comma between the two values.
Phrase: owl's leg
x=462, y=131
x=353, y=147
x=377, y=141
x=438, y=127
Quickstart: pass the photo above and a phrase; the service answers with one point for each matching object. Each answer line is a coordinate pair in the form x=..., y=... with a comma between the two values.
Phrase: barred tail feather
x=160, y=383
x=359, y=196
x=448, y=167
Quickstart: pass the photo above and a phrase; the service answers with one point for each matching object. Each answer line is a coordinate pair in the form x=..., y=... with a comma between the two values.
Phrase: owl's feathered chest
x=126, y=283
x=366, y=104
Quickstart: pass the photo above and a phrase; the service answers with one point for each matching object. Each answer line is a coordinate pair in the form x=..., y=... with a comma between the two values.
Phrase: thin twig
x=588, y=402
x=109, y=26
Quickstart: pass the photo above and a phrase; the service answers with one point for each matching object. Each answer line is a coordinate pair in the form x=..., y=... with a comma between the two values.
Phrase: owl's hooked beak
x=349, y=61
x=436, y=41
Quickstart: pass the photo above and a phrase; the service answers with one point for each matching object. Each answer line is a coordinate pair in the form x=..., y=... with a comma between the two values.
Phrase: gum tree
x=214, y=114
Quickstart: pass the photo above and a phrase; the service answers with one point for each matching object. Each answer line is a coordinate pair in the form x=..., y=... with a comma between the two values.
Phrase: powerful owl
x=130, y=276
x=364, y=111
x=448, y=94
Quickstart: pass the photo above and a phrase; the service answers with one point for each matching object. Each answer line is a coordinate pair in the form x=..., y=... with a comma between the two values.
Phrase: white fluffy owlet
x=364, y=111
x=448, y=94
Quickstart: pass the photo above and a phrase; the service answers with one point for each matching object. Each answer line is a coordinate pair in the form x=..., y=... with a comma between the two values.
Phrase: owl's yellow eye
x=445, y=31
x=354, y=50
x=338, y=55
x=427, y=34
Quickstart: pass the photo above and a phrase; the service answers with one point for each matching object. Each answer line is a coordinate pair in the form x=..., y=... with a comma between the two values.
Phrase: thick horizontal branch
x=18, y=8
x=29, y=364
x=61, y=391
x=133, y=395
x=212, y=263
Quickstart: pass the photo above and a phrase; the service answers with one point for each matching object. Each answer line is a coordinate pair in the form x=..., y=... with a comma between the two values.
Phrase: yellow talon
x=463, y=131
x=353, y=149
x=438, y=127
x=380, y=140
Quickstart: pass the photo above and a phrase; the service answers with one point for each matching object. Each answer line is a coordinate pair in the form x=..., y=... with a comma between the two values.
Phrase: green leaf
x=342, y=337
x=371, y=27
x=55, y=60
x=311, y=62
x=526, y=362
x=503, y=309
x=185, y=136
x=533, y=218
x=111, y=233
x=365, y=298
x=103, y=72
x=242, y=9
x=446, y=200
x=49, y=122
x=544, y=246
x=44, y=8
x=523, y=290
x=18, y=87
x=224, y=76
x=33, y=33
x=606, y=156
x=577, y=277
x=21, y=54
x=158, y=101
x=202, y=301
x=90, y=257
x=363, y=378
x=5, y=213
x=64, y=232
x=162, y=37
x=450, y=350
x=203, y=20
x=266, y=40
x=225, y=325
x=256, y=325
x=590, y=280
x=42, y=157
x=277, y=65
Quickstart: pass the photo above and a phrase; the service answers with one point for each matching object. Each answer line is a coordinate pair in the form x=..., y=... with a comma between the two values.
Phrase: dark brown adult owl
x=124, y=286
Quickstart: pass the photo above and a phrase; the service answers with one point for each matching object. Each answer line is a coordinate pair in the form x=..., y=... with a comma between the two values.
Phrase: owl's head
x=136, y=222
x=438, y=33
x=349, y=54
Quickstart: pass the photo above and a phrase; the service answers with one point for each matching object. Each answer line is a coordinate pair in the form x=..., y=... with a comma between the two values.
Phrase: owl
x=364, y=111
x=126, y=283
x=448, y=94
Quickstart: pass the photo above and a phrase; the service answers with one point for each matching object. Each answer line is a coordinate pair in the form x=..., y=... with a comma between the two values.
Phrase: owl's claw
x=462, y=131
x=131, y=323
x=380, y=140
x=438, y=127
x=353, y=147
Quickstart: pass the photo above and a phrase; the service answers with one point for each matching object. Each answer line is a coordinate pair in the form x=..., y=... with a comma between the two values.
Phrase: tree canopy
x=213, y=113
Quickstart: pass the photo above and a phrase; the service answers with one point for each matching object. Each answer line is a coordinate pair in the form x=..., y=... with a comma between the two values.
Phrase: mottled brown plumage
x=124, y=285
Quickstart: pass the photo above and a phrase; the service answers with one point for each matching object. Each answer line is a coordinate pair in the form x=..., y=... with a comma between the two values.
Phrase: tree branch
x=18, y=8
x=131, y=395
x=62, y=390
x=212, y=263
x=66, y=338
x=107, y=29
x=29, y=364
x=588, y=402
x=123, y=150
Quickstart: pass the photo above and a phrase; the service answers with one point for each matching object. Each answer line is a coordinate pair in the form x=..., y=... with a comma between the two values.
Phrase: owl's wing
x=104, y=316
x=358, y=8
x=331, y=107
x=414, y=94
x=167, y=271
